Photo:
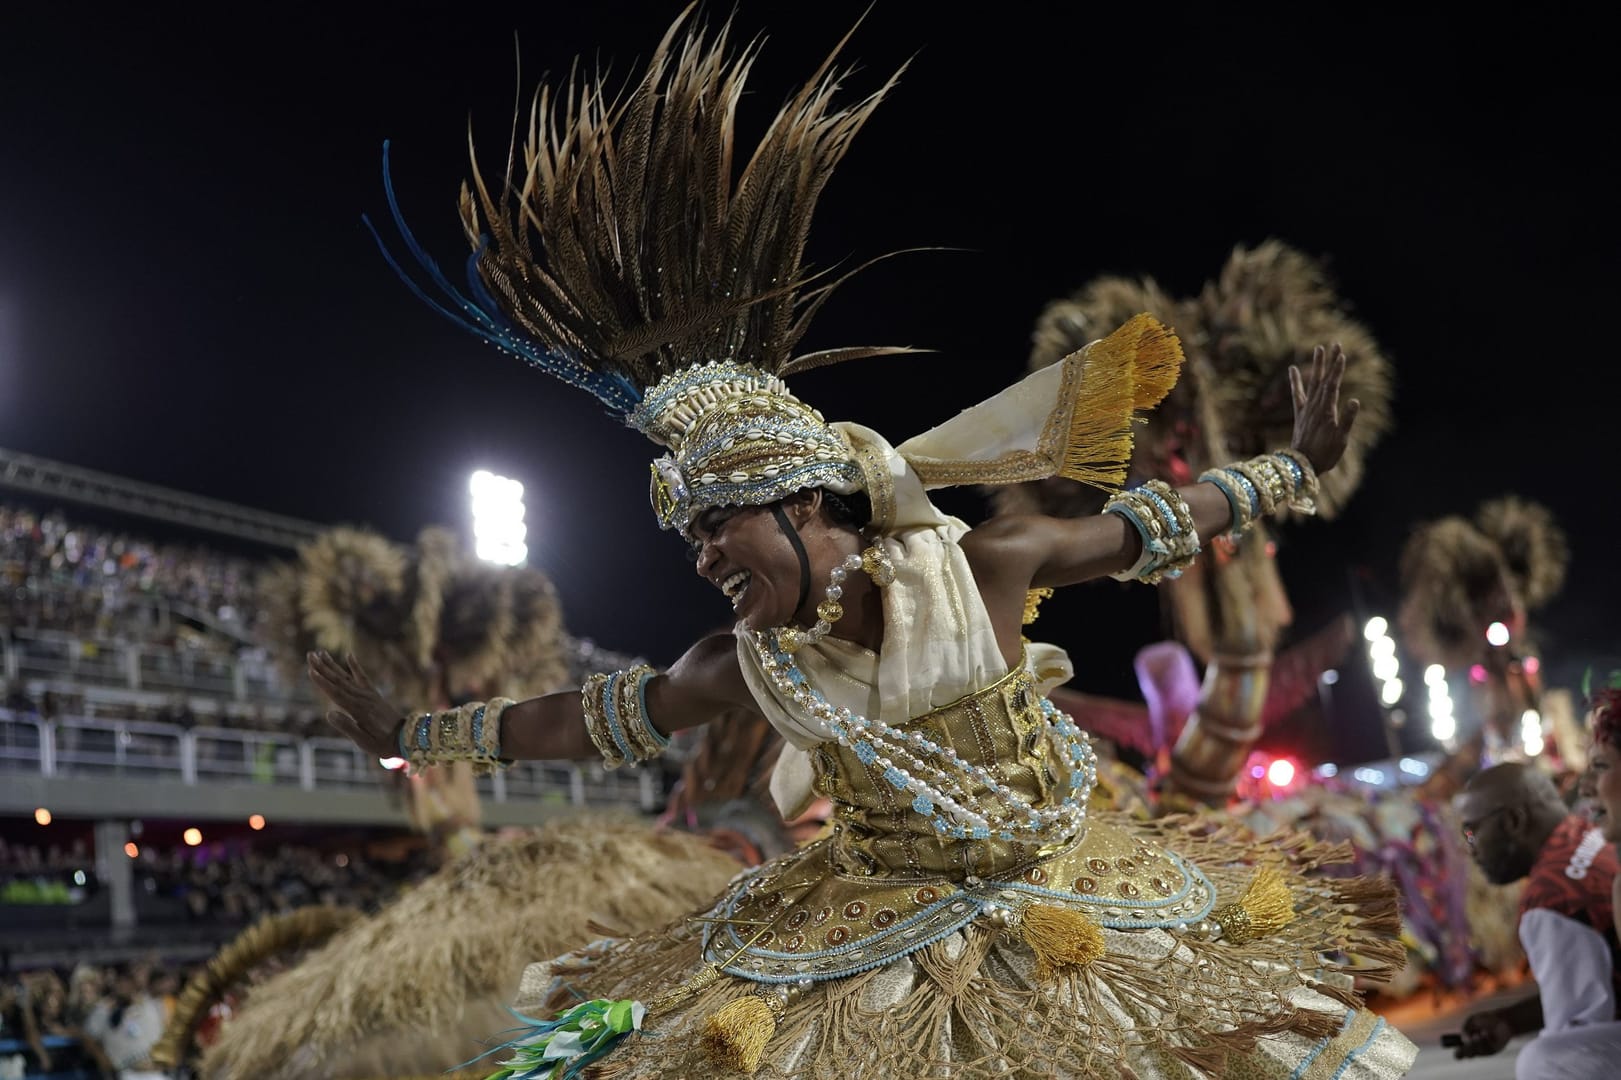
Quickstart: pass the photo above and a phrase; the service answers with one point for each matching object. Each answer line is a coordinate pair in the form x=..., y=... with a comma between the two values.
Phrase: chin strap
x=792, y=534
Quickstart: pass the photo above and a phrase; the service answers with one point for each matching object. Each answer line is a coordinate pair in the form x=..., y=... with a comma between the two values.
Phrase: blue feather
x=482, y=315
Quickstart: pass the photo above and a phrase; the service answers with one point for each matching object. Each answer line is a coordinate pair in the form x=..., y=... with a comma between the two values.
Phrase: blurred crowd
x=100, y=1020
x=89, y=1021
x=209, y=885
x=89, y=581
x=244, y=888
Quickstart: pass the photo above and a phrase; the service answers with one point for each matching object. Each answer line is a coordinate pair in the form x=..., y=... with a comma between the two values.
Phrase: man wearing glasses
x=1517, y=826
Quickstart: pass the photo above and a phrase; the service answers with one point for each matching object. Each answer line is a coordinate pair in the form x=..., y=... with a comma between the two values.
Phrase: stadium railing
x=87, y=747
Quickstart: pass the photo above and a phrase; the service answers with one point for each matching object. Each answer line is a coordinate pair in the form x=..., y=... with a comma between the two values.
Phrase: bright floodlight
x=1440, y=707
x=498, y=528
x=1531, y=720
x=1497, y=635
x=1443, y=727
x=1391, y=692
x=1330, y=677
x=1533, y=744
x=42, y=815
x=1382, y=646
x=192, y=837
x=1376, y=628
x=1328, y=769
x=1414, y=767
x=1386, y=667
x=1281, y=772
x=1435, y=674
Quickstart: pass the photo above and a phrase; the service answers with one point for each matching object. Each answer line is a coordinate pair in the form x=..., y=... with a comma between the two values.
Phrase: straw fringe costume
x=969, y=914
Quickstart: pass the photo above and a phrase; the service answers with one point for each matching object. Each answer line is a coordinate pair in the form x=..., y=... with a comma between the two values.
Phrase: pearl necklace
x=938, y=778
x=878, y=567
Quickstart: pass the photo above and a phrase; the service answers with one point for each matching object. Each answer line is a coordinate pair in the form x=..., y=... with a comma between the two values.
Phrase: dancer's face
x=743, y=553
x=1604, y=769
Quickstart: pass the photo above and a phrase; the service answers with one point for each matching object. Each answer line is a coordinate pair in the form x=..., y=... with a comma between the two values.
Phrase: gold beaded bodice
x=877, y=832
x=885, y=881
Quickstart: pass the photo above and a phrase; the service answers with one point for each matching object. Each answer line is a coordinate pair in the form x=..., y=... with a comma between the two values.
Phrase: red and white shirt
x=1567, y=927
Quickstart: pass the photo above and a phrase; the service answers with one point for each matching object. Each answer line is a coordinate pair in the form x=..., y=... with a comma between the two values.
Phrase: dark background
x=187, y=295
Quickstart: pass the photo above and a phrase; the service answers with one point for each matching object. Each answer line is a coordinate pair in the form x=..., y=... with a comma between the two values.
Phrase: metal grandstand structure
x=72, y=483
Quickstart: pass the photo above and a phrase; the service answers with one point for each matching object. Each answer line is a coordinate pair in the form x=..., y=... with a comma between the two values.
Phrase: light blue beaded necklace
x=939, y=780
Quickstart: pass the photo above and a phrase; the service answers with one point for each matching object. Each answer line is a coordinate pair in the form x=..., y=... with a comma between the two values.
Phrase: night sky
x=188, y=297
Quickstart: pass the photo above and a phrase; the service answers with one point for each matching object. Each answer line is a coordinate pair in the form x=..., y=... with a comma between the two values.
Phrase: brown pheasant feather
x=1533, y=546
x=1454, y=584
x=351, y=591
x=409, y=613
x=1458, y=577
x=629, y=241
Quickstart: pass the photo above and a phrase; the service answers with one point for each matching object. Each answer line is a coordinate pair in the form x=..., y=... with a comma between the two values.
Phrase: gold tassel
x=1133, y=368
x=737, y=1035
x=1266, y=906
x=1059, y=938
x=1032, y=604
x=1157, y=362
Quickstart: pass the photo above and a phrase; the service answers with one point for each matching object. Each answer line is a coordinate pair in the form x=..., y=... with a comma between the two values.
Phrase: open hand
x=359, y=711
x=1321, y=430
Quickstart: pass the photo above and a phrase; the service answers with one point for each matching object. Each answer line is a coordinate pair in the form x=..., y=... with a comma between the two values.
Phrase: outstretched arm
x=701, y=685
x=1050, y=552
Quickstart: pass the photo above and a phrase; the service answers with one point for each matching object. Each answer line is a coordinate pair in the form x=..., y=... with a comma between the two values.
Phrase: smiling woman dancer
x=970, y=913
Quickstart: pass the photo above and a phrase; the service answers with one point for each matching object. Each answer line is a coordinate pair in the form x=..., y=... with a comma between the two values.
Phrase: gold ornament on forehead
x=667, y=490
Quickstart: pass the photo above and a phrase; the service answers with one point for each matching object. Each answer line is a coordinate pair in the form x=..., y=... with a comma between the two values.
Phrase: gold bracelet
x=1262, y=482
x=1305, y=482
x=1165, y=523
x=630, y=689
x=593, y=704
x=1184, y=539
x=615, y=707
x=1236, y=487
x=470, y=732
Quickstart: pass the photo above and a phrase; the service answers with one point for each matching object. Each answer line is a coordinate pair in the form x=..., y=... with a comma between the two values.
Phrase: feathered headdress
x=1459, y=576
x=639, y=254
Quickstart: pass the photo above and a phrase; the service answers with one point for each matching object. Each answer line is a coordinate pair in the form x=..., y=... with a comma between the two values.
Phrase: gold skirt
x=967, y=1000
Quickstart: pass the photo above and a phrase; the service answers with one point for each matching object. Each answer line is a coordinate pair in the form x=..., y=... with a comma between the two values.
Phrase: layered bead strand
x=939, y=780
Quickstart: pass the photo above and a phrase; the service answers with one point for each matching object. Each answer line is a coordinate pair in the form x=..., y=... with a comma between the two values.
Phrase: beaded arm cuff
x=470, y=732
x=615, y=708
x=1162, y=518
x=1263, y=485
